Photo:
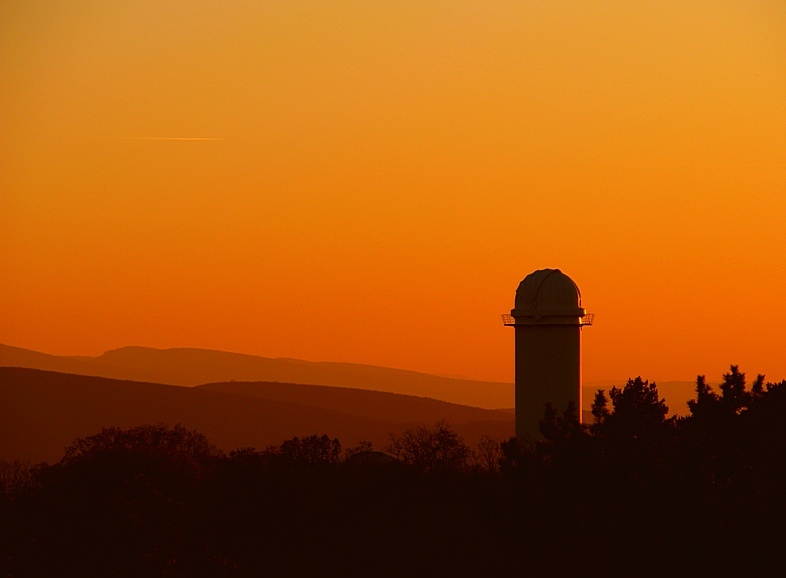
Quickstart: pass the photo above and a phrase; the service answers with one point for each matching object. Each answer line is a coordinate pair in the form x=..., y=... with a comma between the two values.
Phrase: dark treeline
x=632, y=494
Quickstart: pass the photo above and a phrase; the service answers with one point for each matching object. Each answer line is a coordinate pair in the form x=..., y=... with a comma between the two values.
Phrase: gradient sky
x=369, y=181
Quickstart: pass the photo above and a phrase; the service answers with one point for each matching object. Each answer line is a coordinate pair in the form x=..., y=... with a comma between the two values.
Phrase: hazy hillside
x=191, y=367
x=378, y=405
x=42, y=412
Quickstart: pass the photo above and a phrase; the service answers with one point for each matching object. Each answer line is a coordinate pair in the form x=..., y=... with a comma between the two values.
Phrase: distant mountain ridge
x=41, y=412
x=191, y=367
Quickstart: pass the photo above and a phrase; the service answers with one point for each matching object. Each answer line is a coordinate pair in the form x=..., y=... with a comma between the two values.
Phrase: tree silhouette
x=556, y=428
x=706, y=400
x=313, y=450
x=757, y=389
x=733, y=392
x=600, y=410
x=16, y=477
x=488, y=454
x=430, y=449
x=638, y=412
x=176, y=442
x=120, y=503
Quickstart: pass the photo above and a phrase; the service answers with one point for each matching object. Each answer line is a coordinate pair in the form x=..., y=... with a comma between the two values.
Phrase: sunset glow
x=369, y=181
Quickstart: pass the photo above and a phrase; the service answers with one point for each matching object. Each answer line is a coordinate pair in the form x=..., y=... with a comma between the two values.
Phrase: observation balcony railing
x=587, y=319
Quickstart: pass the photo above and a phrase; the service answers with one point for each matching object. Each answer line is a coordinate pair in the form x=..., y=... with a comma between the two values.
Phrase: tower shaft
x=548, y=370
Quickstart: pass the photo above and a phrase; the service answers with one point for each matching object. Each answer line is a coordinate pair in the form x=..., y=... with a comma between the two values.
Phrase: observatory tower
x=548, y=318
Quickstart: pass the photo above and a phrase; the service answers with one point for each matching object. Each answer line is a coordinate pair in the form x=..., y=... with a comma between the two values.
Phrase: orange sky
x=386, y=173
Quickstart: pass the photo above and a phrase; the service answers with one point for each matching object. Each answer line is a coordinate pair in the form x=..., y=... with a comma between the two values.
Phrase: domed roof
x=548, y=292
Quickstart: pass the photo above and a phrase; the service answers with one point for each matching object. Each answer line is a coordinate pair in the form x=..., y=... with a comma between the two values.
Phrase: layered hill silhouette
x=191, y=367
x=41, y=412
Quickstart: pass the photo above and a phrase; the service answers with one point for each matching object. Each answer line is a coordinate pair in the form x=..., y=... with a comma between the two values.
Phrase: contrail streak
x=170, y=138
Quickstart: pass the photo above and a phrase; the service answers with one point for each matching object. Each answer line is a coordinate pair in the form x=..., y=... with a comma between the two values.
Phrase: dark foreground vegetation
x=632, y=494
